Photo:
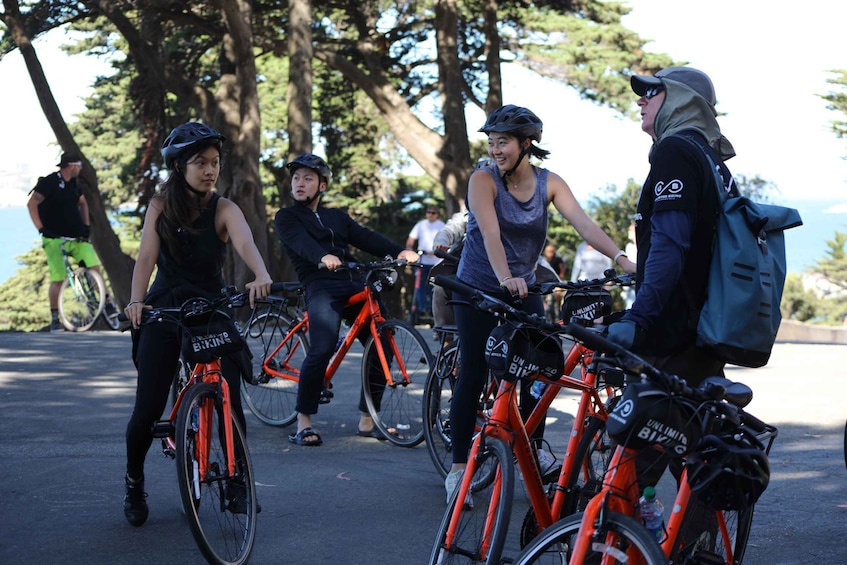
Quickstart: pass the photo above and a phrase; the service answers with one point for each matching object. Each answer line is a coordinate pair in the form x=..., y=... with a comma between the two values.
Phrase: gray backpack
x=740, y=318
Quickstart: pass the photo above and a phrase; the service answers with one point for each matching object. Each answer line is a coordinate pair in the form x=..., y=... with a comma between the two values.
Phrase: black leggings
x=156, y=355
x=474, y=327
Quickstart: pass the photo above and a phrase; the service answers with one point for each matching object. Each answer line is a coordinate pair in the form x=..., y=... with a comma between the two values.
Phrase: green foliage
x=24, y=296
x=756, y=188
x=838, y=101
x=834, y=265
x=798, y=303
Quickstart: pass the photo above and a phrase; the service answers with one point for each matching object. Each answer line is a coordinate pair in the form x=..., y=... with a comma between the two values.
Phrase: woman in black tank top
x=185, y=231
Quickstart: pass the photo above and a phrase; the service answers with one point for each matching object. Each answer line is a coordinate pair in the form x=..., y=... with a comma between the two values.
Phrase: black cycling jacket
x=307, y=236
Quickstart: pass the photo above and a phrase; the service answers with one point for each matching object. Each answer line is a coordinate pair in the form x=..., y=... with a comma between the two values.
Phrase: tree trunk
x=116, y=263
x=455, y=151
x=246, y=120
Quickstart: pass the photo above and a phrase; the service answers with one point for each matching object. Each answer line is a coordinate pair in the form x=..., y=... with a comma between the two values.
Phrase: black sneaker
x=135, y=505
x=56, y=327
x=236, y=497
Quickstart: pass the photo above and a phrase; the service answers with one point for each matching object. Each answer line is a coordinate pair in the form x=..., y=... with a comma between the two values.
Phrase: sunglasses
x=654, y=91
x=432, y=211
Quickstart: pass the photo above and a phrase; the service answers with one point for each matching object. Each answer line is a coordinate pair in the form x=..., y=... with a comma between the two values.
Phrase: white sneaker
x=548, y=465
x=451, y=483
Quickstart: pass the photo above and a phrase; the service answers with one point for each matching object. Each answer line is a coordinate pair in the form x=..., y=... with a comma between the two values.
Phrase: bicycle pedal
x=168, y=449
x=163, y=429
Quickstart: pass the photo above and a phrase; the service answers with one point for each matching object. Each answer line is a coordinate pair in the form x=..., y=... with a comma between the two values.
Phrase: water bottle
x=537, y=389
x=652, y=513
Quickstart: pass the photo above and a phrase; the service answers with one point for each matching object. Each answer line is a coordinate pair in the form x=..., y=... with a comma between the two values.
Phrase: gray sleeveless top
x=523, y=231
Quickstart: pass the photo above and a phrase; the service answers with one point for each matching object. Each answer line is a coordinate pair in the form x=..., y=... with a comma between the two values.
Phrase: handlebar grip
x=441, y=254
x=281, y=286
x=596, y=342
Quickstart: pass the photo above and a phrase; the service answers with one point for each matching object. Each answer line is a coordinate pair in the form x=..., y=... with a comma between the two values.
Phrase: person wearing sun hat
x=675, y=221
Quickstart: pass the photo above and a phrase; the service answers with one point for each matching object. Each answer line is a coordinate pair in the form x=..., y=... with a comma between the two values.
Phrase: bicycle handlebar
x=632, y=363
x=449, y=257
x=485, y=301
x=386, y=263
x=229, y=298
x=609, y=276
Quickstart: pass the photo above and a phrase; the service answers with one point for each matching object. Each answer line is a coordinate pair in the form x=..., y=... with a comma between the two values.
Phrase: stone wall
x=789, y=330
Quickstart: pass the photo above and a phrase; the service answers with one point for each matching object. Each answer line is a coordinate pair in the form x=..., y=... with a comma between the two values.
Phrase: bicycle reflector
x=519, y=351
x=648, y=415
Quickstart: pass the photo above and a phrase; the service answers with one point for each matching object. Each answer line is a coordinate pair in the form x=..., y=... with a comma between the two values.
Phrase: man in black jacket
x=315, y=236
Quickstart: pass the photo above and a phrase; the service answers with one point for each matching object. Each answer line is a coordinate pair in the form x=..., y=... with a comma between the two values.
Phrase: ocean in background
x=805, y=245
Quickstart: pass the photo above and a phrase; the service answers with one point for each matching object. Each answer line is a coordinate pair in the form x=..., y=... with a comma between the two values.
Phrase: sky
x=768, y=63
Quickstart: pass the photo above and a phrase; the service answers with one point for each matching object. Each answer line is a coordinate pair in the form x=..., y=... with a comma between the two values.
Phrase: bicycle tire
x=397, y=410
x=438, y=395
x=552, y=545
x=224, y=536
x=494, y=500
x=82, y=298
x=270, y=398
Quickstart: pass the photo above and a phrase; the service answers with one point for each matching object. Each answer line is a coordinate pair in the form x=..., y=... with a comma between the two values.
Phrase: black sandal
x=300, y=438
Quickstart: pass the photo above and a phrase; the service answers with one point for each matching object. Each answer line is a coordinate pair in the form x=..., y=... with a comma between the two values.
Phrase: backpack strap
x=722, y=188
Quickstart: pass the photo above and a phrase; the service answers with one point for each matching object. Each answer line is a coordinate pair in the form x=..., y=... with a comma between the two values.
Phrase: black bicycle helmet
x=184, y=136
x=518, y=121
x=728, y=471
x=313, y=162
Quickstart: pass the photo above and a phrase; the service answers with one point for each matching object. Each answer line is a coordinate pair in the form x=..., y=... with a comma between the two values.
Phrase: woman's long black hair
x=174, y=223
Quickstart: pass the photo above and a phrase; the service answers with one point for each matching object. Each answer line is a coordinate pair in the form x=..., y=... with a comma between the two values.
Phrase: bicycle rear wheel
x=397, y=410
x=221, y=508
x=625, y=536
x=709, y=536
x=438, y=396
x=273, y=398
x=81, y=299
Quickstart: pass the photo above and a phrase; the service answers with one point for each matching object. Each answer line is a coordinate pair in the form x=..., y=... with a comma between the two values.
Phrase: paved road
x=65, y=400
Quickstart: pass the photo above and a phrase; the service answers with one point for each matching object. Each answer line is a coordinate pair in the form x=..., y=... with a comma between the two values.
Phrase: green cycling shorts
x=81, y=251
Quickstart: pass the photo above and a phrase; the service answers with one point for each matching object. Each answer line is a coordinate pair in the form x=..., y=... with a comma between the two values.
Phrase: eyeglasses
x=654, y=91
x=432, y=211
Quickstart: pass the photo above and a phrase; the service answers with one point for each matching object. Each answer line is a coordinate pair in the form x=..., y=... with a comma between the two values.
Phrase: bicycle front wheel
x=397, y=408
x=438, y=396
x=480, y=529
x=625, y=538
x=220, y=507
x=271, y=393
x=81, y=299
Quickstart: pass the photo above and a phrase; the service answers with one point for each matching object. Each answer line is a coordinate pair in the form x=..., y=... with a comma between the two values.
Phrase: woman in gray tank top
x=507, y=229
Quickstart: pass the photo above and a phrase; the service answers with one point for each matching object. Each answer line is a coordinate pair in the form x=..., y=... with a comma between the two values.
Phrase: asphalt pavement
x=65, y=400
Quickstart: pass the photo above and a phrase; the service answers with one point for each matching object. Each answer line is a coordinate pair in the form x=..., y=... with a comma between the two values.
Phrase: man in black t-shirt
x=58, y=209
